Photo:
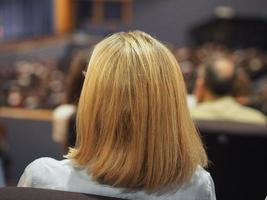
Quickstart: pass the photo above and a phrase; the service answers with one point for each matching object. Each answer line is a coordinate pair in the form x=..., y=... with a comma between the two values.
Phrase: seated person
x=3, y=155
x=135, y=136
x=213, y=93
x=63, y=132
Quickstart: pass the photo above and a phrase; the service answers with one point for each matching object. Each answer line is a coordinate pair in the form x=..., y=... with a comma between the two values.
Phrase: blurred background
x=41, y=43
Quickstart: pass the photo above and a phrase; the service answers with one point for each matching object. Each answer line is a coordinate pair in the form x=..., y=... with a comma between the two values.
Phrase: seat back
x=238, y=158
x=19, y=193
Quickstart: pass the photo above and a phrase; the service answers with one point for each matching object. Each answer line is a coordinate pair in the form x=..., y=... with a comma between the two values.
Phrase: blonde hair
x=134, y=129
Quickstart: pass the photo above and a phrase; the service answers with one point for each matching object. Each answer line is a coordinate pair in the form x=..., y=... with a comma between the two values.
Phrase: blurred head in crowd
x=216, y=78
x=134, y=129
x=242, y=87
x=75, y=76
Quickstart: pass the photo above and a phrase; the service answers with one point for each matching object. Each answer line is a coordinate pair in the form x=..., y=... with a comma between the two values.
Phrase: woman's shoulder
x=50, y=165
x=202, y=183
x=200, y=186
x=201, y=175
x=41, y=171
x=47, y=161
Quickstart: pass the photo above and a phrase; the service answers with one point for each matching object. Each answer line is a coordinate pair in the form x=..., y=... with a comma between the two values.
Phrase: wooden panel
x=63, y=16
x=29, y=43
x=27, y=114
x=98, y=10
x=127, y=11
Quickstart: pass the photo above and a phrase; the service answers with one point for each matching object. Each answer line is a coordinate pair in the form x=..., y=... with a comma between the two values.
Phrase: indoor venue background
x=38, y=40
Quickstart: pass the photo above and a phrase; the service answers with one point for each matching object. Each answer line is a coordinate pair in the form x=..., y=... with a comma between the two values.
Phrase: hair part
x=134, y=129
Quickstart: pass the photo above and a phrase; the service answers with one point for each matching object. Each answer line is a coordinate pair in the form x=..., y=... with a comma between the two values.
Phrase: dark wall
x=28, y=140
x=170, y=20
x=25, y=18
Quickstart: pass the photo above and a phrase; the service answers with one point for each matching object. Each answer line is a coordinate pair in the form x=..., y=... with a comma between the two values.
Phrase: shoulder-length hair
x=134, y=129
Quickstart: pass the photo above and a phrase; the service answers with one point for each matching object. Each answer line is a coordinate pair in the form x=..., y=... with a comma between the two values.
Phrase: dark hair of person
x=217, y=84
x=242, y=84
x=75, y=77
x=71, y=137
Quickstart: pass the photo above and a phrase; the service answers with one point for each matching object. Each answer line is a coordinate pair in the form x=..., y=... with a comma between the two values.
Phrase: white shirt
x=49, y=173
x=61, y=117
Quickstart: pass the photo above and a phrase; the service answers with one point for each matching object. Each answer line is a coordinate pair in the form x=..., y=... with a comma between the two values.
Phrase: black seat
x=238, y=155
x=19, y=193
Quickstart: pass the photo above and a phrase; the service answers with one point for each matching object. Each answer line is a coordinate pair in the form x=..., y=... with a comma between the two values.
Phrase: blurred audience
x=213, y=90
x=31, y=84
x=63, y=116
x=42, y=83
x=251, y=83
x=241, y=88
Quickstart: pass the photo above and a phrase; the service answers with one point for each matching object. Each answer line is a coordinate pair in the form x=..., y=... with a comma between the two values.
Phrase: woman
x=135, y=137
x=63, y=132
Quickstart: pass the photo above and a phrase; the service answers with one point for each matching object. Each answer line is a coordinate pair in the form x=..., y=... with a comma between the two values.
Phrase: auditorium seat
x=19, y=193
x=238, y=158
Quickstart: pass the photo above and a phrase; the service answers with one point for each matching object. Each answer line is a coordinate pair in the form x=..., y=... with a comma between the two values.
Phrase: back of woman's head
x=133, y=125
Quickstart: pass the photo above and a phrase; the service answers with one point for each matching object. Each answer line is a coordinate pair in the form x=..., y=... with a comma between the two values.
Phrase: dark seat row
x=238, y=165
x=15, y=193
x=238, y=159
